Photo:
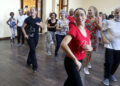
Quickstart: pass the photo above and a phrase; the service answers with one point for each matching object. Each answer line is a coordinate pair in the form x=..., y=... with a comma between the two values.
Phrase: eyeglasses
x=78, y=15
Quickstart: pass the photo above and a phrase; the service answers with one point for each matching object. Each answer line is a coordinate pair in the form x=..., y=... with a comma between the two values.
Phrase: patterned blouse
x=92, y=27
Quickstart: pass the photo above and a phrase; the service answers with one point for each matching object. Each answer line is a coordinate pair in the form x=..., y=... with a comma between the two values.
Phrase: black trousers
x=20, y=34
x=112, y=61
x=59, y=39
x=74, y=78
x=32, y=42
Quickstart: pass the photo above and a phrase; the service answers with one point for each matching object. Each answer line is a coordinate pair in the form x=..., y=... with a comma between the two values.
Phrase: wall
x=75, y=3
x=103, y=5
x=6, y=7
x=50, y=5
x=47, y=8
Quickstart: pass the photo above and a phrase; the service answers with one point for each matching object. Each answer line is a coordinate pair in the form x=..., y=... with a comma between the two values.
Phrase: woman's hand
x=26, y=36
x=79, y=65
x=39, y=24
x=106, y=41
x=87, y=48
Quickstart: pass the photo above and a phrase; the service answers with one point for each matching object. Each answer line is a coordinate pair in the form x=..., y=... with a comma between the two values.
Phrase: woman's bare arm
x=105, y=40
x=8, y=21
x=65, y=47
x=23, y=30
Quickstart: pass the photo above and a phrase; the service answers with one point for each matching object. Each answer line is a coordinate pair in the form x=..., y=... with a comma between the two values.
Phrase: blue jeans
x=59, y=39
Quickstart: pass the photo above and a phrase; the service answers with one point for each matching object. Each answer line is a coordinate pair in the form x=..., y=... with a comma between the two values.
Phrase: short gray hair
x=21, y=10
x=63, y=11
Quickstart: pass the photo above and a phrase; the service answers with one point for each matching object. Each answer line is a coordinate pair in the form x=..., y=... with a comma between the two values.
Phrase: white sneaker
x=86, y=71
x=89, y=65
x=106, y=82
x=49, y=53
x=113, y=78
x=52, y=42
x=18, y=45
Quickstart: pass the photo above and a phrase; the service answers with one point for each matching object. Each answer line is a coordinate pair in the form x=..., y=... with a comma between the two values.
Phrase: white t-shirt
x=20, y=20
x=112, y=33
x=25, y=16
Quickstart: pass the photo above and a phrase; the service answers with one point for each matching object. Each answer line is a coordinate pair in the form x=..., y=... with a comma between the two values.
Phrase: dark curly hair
x=11, y=13
x=53, y=13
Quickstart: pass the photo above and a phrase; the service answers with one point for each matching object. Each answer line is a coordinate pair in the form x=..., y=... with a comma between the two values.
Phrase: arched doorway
x=27, y=4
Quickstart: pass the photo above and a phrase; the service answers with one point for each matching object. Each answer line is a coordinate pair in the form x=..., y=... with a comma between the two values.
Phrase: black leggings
x=32, y=42
x=20, y=34
x=74, y=78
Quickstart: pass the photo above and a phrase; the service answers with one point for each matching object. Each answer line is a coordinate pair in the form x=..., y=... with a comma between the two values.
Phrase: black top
x=52, y=24
x=32, y=28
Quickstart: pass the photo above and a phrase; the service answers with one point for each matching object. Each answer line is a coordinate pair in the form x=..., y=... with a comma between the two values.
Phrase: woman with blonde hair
x=32, y=25
x=93, y=24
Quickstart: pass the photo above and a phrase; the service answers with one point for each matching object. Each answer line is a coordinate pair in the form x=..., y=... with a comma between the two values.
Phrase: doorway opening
x=62, y=4
x=27, y=4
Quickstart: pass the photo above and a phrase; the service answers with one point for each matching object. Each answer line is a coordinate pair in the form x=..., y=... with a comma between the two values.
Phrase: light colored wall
x=48, y=6
x=105, y=6
x=75, y=3
x=6, y=6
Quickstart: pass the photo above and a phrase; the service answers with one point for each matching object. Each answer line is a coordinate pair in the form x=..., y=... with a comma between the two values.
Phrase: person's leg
x=108, y=65
x=116, y=61
x=108, y=62
x=35, y=65
x=68, y=82
x=18, y=34
x=54, y=38
x=29, y=61
x=22, y=37
x=11, y=38
x=13, y=34
x=59, y=39
x=86, y=62
x=49, y=42
x=32, y=45
x=74, y=78
x=87, y=59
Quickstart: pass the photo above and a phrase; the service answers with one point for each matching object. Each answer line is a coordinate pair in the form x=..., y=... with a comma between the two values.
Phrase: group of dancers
x=77, y=34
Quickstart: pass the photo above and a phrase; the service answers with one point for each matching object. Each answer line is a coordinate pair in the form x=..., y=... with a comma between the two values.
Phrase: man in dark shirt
x=32, y=25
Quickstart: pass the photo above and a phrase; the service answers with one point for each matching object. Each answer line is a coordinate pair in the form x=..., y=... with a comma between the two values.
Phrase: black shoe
x=29, y=65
